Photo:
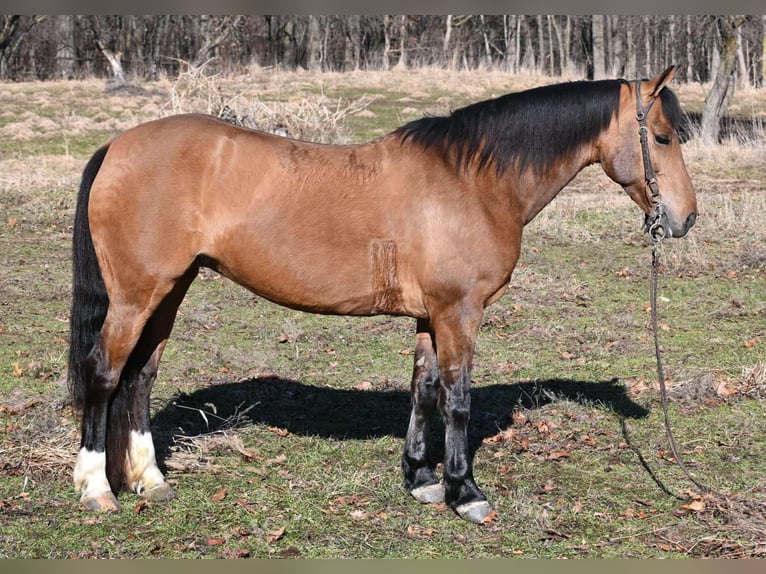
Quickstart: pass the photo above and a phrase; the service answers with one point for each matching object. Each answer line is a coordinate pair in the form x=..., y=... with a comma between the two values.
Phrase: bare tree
x=214, y=31
x=103, y=38
x=66, y=53
x=14, y=29
x=722, y=91
x=403, y=25
x=599, y=47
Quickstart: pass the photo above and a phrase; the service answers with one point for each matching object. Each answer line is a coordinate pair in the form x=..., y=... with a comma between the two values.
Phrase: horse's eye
x=662, y=140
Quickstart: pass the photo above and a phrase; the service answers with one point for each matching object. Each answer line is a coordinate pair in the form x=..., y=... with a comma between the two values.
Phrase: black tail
x=89, y=297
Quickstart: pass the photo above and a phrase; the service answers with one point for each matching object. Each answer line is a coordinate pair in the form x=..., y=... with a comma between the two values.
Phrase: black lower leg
x=417, y=467
x=99, y=389
x=459, y=486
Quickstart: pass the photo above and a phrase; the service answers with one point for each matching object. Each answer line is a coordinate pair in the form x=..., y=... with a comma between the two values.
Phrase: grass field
x=281, y=431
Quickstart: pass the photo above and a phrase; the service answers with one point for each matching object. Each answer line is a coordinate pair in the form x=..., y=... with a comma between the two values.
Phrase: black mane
x=532, y=128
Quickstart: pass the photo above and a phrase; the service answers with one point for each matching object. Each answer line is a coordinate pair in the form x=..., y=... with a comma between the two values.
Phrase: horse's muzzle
x=668, y=227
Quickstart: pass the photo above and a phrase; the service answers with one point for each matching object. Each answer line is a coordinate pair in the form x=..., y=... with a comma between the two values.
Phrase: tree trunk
x=540, y=44
x=157, y=36
x=314, y=45
x=723, y=84
x=402, y=63
x=447, y=37
x=563, y=56
x=487, y=48
x=386, y=40
x=66, y=55
x=599, y=55
x=113, y=58
x=355, y=35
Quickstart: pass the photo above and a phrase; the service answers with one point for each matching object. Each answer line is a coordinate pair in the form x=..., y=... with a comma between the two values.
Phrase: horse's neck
x=536, y=190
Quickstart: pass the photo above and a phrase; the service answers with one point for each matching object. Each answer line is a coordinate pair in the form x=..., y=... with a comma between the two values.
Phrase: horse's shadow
x=364, y=414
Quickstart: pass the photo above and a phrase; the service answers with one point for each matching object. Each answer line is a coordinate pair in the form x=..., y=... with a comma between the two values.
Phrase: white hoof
x=475, y=512
x=429, y=494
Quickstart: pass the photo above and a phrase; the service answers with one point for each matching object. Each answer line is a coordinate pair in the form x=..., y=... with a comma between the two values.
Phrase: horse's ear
x=656, y=84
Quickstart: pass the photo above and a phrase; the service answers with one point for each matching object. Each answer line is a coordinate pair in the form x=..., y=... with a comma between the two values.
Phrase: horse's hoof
x=476, y=512
x=160, y=493
x=107, y=502
x=429, y=494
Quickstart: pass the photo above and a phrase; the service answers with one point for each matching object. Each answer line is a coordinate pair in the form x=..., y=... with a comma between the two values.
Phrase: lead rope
x=653, y=286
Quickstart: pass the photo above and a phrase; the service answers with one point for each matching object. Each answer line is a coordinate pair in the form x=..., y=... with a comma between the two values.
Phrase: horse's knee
x=101, y=380
x=455, y=402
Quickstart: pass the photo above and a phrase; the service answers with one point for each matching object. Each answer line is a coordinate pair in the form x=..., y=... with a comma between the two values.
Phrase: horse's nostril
x=690, y=220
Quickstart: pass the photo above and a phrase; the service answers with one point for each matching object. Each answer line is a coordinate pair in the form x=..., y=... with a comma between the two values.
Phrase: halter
x=652, y=225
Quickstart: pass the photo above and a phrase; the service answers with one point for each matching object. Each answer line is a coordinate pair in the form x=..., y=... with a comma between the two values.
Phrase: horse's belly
x=328, y=277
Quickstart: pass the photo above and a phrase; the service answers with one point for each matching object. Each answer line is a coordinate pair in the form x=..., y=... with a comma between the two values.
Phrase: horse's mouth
x=663, y=227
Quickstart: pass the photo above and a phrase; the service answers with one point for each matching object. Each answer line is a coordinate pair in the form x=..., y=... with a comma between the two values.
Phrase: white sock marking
x=90, y=474
x=143, y=473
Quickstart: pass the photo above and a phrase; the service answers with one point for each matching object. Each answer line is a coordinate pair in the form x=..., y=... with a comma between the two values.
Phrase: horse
x=424, y=222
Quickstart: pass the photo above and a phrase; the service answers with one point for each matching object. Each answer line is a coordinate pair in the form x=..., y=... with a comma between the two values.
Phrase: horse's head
x=651, y=170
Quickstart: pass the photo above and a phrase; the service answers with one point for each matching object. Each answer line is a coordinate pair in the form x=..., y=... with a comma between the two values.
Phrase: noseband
x=652, y=224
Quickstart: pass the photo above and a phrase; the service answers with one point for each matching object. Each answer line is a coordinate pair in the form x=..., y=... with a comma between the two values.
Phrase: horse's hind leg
x=419, y=476
x=101, y=461
x=103, y=366
x=142, y=474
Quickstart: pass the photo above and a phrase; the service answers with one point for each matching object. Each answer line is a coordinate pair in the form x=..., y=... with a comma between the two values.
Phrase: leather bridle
x=652, y=223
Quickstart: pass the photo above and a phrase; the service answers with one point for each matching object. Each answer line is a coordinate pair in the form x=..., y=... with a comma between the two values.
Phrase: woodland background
x=147, y=47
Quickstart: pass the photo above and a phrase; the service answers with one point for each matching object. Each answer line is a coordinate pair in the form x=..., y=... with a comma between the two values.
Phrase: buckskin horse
x=424, y=222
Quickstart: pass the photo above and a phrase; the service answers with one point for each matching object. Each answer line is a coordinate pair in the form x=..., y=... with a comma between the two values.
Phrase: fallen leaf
x=364, y=386
x=419, y=531
x=722, y=390
x=16, y=369
x=519, y=418
x=695, y=505
x=291, y=552
x=625, y=273
x=140, y=506
x=548, y=486
x=489, y=518
x=219, y=496
x=280, y=459
x=216, y=541
x=275, y=535
x=359, y=514
x=554, y=535
x=235, y=553
x=279, y=431
x=557, y=454
x=751, y=343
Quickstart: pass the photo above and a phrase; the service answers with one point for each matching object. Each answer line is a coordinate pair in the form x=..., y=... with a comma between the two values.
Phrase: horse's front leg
x=419, y=476
x=455, y=331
